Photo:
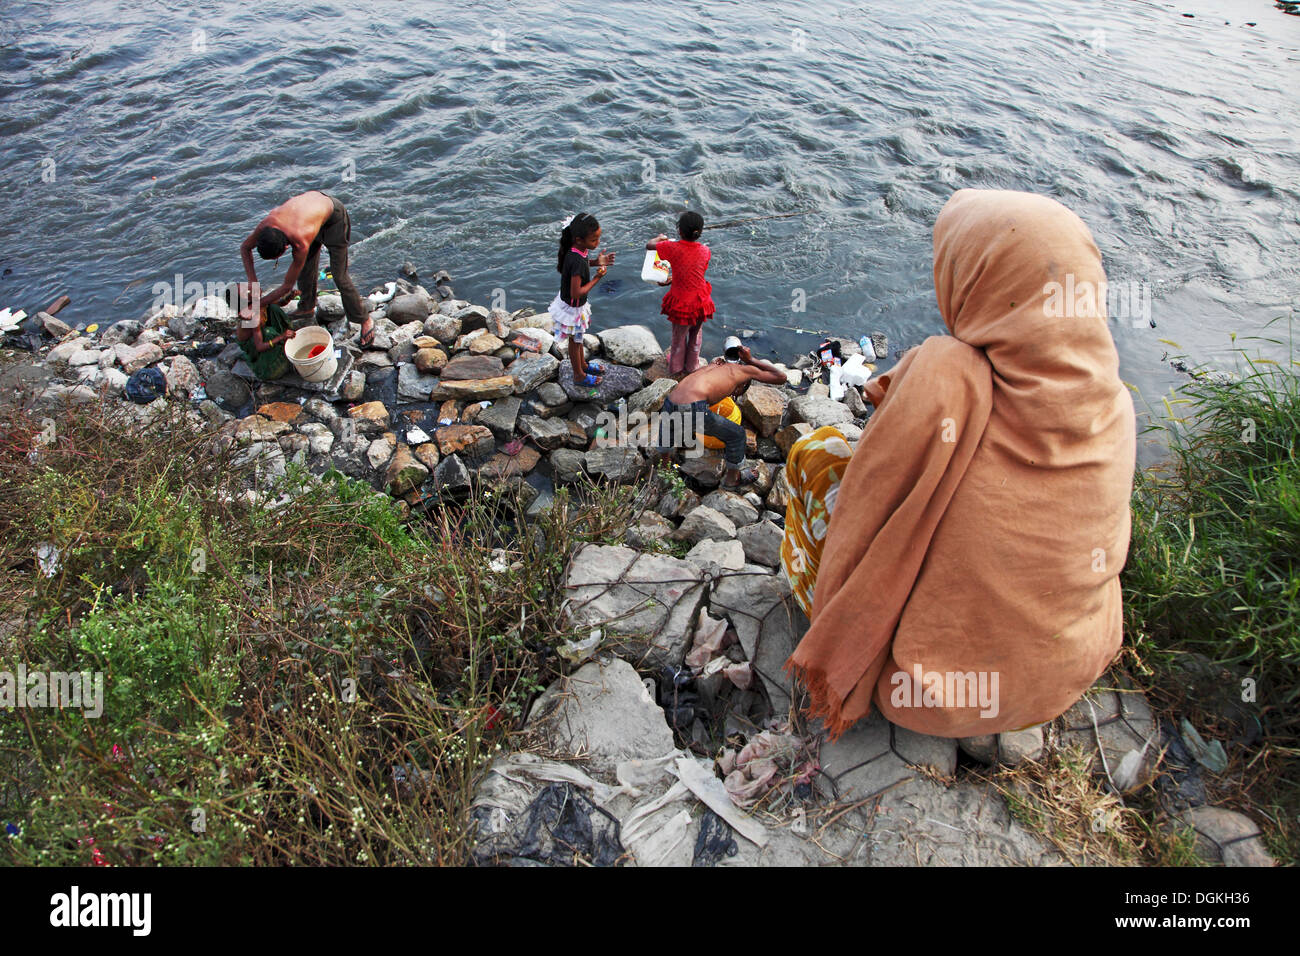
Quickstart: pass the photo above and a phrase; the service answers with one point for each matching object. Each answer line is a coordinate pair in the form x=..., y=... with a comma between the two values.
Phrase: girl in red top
x=689, y=302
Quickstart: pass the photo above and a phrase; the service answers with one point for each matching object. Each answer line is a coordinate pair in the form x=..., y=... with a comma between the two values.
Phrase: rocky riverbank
x=676, y=737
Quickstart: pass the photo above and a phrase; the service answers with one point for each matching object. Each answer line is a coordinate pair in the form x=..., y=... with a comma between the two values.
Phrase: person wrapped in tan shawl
x=977, y=532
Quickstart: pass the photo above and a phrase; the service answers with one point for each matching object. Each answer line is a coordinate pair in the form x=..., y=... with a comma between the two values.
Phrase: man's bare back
x=715, y=382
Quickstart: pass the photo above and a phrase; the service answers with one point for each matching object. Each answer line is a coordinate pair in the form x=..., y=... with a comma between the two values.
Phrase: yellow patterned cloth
x=812, y=471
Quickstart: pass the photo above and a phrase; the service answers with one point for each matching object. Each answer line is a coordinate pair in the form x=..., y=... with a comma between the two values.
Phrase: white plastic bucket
x=317, y=369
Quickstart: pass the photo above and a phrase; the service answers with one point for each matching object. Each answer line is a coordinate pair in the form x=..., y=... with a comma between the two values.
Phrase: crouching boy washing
x=688, y=404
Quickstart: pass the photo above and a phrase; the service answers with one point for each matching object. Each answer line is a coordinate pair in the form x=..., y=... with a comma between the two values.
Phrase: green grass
x=312, y=679
x=1212, y=584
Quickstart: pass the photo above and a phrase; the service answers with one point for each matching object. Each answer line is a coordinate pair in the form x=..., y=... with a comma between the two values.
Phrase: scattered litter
x=563, y=827
x=1210, y=755
x=500, y=562
x=48, y=558
x=575, y=652
x=764, y=760
x=635, y=774
x=416, y=436
x=741, y=675
x=521, y=765
x=146, y=385
x=710, y=635
x=713, y=794
x=714, y=841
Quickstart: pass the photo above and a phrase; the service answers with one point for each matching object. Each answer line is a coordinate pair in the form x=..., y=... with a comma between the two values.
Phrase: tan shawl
x=981, y=525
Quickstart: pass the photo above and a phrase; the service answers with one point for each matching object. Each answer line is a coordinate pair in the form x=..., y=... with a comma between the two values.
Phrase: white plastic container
x=654, y=269
x=320, y=368
x=855, y=371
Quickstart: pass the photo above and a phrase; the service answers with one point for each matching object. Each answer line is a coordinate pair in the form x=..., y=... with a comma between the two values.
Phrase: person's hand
x=605, y=258
x=285, y=336
x=660, y=238
x=601, y=271
x=745, y=355
x=666, y=282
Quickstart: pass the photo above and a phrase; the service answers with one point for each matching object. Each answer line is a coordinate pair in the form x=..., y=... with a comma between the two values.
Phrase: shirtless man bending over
x=707, y=386
x=306, y=222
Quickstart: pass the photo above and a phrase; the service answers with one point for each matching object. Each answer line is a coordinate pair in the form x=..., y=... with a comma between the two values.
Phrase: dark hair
x=690, y=225
x=271, y=242
x=580, y=227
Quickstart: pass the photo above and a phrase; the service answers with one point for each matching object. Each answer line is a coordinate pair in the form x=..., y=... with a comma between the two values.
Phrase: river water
x=140, y=139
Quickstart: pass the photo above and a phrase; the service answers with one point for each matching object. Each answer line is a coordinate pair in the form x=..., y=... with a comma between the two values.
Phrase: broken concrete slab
x=645, y=602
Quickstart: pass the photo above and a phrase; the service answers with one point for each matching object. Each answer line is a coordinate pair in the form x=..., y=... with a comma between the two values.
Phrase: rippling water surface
x=143, y=139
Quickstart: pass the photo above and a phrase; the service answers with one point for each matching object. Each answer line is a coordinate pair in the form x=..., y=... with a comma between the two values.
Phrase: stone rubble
x=453, y=396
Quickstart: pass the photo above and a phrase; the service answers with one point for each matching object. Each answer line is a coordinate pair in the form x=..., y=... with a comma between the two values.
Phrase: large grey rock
x=740, y=511
x=182, y=326
x=651, y=398
x=617, y=464
x=707, y=469
x=568, y=465
x=768, y=622
x=411, y=307
x=61, y=353
x=677, y=503
x=132, y=358
x=922, y=750
x=716, y=557
x=329, y=308
x=618, y=381
x=650, y=528
x=443, y=328
x=1227, y=837
x=413, y=385
x=466, y=367
x=763, y=407
x=86, y=357
x=223, y=387
x=451, y=477
x=853, y=401
x=762, y=543
x=704, y=523
x=1020, y=746
x=501, y=417
x=473, y=317
x=819, y=411
x=121, y=333
x=630, y=345
x=547, y=433
x=530, y=371
x=320, y=438
x=646, y=603
x=182, y=376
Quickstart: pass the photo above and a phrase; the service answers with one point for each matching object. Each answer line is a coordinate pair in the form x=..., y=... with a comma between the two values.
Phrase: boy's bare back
x=301, y=217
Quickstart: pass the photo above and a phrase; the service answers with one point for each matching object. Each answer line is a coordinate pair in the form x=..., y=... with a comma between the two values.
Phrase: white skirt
x=568, y=321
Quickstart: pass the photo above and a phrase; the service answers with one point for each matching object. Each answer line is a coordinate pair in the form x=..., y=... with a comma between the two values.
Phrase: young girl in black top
x=570, y=311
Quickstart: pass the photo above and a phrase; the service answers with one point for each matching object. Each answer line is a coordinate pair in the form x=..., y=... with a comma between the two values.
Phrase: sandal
x=595, y=368
x=588, y=381
x=364, y=340
x=747, y=477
